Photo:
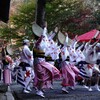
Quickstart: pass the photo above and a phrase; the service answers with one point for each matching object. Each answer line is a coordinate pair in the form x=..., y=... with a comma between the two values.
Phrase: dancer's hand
x=56, y=29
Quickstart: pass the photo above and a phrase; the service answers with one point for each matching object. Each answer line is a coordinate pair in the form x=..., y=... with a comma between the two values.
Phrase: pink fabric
x=45, y=73
x=55, y=72
x=68, y=75
x=89, y=35
x=7, y=76
x=75, y=69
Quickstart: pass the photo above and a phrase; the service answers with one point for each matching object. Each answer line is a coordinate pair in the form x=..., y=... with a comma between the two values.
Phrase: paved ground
x=3, y=90
x=79, y=93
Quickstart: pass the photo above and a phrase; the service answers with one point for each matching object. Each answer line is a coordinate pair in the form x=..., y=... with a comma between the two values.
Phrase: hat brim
x=62, y=37
x=10, y=49
x=37, y=30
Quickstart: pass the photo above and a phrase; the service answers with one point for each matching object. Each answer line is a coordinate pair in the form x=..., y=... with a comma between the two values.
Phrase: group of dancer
x=76, y=61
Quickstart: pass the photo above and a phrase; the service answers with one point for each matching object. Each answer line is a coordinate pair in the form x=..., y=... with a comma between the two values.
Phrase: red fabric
x=89, y=35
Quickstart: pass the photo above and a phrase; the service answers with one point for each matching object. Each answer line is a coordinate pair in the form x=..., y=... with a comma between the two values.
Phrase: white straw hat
x=62, y=37
x=26, y=41
x=37, y=30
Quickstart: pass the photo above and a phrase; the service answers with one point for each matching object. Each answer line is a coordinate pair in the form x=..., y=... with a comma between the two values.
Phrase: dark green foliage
x=24, y=17
x=97, y=16
x=70, y=15
x=22, y=23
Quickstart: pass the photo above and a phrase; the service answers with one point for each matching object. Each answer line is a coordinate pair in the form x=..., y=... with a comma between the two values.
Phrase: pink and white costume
x=69, y=71
x=73, y=56
x=45, y=73
x=68, y=74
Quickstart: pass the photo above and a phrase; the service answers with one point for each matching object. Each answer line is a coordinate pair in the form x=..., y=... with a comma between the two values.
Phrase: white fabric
x=51, y=35
x=26, y=55
x=73, y=44
x=23, y=78
x=66, y=41
x=72, y=54
x=88, y=49
x=96, y=68
x=55, y=53
x=64, y=50
x=98, y=56
x=89, y=71
x=80, y=55
x=30, y=77
x=1, y=64
x=94, y=58
x=49, y=47
x=51, y=62
x=45, y=42
x=64, y=53
x=53, y=50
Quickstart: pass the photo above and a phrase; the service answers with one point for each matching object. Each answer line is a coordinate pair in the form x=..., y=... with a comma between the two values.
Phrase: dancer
x=96, y=70
x=68, y=74
x=45, y=73
x=7, y=62
x=90, y=58
x=26, y=72
x=98, y=52
x=1, y=68
x=7, y=65
x=73, y=57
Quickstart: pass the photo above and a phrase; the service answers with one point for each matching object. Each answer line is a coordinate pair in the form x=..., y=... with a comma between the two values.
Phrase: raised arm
x=79, y=48
x=74, y=42
x=51, y=36
x=66, y=39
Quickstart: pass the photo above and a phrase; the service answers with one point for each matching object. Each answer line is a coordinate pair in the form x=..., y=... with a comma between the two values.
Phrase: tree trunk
x=40, y=17
x=4, y=10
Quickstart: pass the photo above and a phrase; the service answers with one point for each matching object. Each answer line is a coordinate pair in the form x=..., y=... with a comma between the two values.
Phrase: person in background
x=1, y=66
x=6, y=61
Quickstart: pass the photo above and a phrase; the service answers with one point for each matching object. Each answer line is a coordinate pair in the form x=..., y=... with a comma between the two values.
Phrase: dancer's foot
x=26, y=91
x=97, y=87
x=86, y=87
x=43, y=90
x=29, y=89
x=40, y=93
x=64, y=90
x=72, y=87
x=51, y=88
x=90, y=89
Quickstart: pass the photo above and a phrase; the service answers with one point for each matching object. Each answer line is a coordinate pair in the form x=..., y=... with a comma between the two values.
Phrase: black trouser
x=98, y=62
x=24, y=65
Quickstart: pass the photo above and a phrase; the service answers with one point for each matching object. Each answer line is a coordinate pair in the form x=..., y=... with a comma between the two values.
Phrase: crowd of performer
x=49, y=61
